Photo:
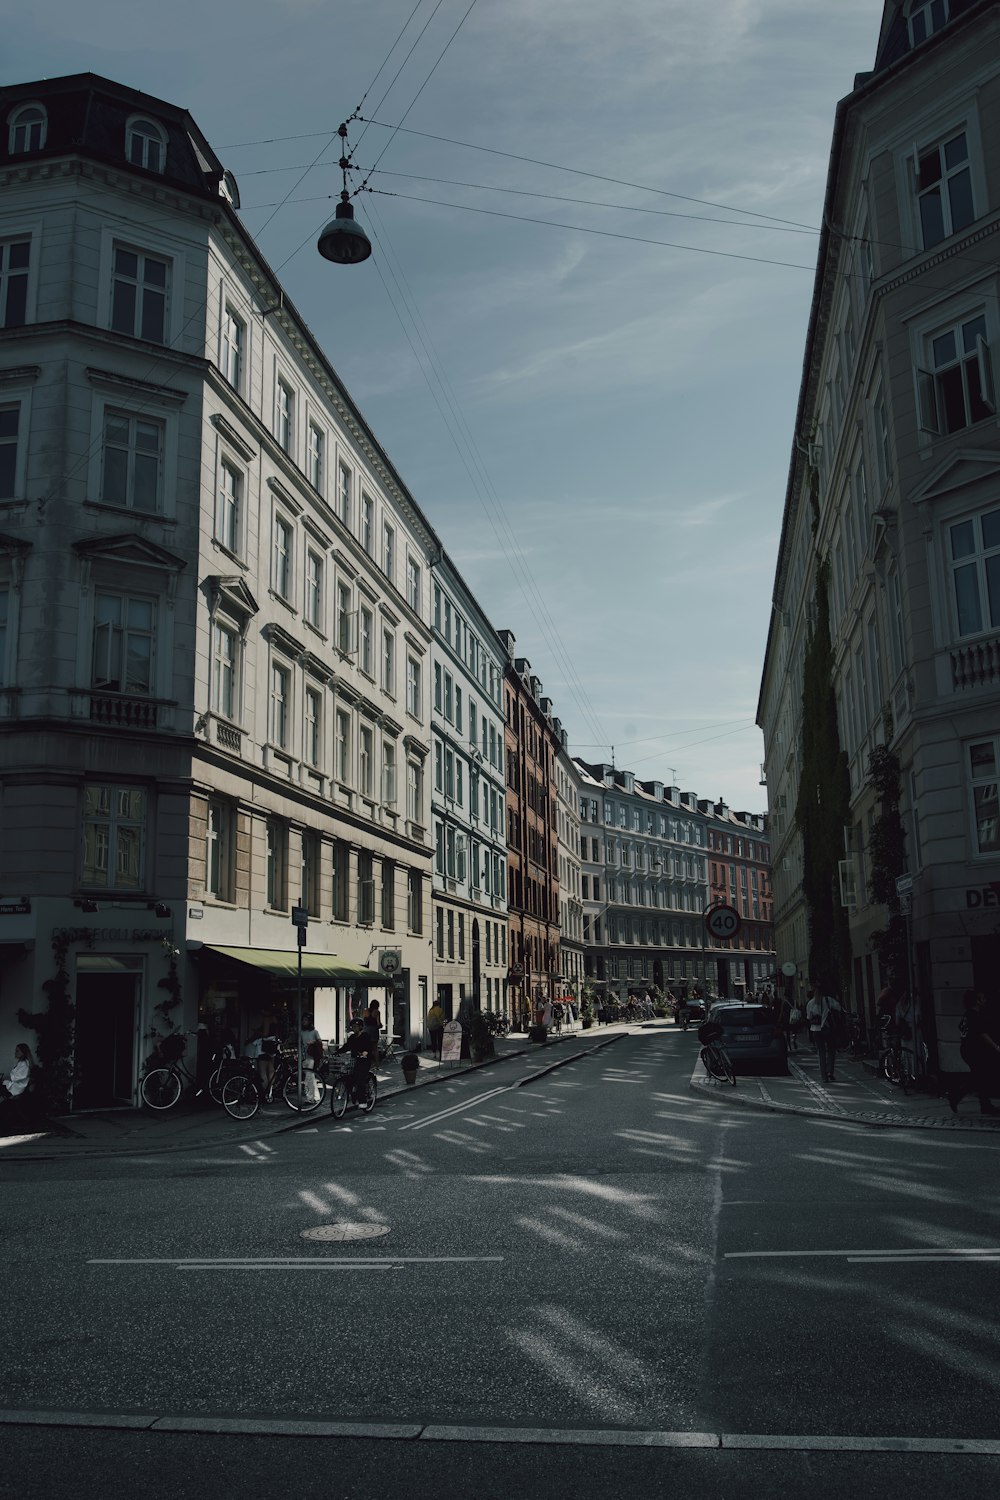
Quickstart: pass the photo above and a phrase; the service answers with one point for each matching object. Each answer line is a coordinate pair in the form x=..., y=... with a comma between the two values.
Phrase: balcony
x=120, y=711
x=977, y=665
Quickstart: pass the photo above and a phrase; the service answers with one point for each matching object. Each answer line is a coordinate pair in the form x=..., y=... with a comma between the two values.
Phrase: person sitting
x=15, y=1087
x=359, y=1044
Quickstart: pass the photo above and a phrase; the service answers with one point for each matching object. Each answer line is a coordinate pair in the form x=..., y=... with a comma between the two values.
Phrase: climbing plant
x=53, y=1028
x=164, y=1025
x=823, y=806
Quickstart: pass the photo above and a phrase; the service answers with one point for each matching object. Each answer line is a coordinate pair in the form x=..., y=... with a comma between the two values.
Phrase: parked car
x=751, y=1035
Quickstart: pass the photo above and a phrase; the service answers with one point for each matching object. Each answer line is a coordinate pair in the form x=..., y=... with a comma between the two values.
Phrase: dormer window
x=28, y=129
x=926, y=17
x=145, y=145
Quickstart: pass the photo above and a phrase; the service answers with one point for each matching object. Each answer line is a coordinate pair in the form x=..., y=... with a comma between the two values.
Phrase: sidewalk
x=860, y=1093
x=204, y=1125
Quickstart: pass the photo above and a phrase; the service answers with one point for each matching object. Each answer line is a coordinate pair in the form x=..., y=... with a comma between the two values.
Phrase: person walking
x=20, y=1074
x=311, y=1052
x=824, y=1021
x=980, y=1051
x=435, y=1028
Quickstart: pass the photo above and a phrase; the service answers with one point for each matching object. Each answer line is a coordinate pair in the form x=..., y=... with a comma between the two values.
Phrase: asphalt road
x=598, y=1252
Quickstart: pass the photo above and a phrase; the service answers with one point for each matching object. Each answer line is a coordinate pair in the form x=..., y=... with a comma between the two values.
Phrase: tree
x=823, y=805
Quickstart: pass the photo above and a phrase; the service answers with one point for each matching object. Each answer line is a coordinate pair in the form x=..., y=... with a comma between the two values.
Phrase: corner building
x=891, y=511
x=214, y=590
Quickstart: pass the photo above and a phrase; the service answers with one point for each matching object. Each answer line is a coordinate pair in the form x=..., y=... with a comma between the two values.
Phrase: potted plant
x=586, y=1013
x=480, y=1037
x=410, y=1062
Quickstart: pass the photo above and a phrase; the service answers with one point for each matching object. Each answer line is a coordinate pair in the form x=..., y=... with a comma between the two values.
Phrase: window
x=983, y=773
x=114, y=821
x=139, y=294
x=944, y=189
x=317, y=457
x=439, y=933
x=958, y=389
x=276, y=840
x=144, y=145
x=388, y=551
x=9, y=422
x=883, y=452
x=414, y=792
x=231, y=348
x=281, y=557
x=225, y=683
x=133, y=462
x=218, y=851
x=15, y=258
x=414, y=901
x=366, y=889
x=342, y=747
x=281, y=687
x=975, y=566
x=366, y=766
x=365, y=626
x=229, y=507
x=388, y=895
x=28, y=129
x=314, y=589
x=344, y=618
x=313, y=725
x=367, y=523
x=413, y=687
x=388, y=773
x=123, y=643
x=413, y=584
x=344, y=493
x=4, y=616
x=926, y=17
x=284, y=416
x=309, y=883
x=340, y=878
x=389, y=663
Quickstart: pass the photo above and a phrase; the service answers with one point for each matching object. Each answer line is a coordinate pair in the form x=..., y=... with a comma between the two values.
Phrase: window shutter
x=927, y=402
x=460, y=857
x=352, y=633
x=103, y=654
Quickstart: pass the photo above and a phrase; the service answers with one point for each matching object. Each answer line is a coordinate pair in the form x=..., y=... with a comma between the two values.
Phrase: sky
x=594, y=412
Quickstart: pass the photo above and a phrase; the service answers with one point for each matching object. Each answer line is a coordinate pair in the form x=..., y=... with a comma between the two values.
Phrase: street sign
x=451, y=1043
x=389, y=961
x=904, y=884
x=300, y=916
x=722, y=922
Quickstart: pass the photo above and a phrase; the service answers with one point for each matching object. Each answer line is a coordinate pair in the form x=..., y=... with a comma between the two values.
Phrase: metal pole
x=298, y=1049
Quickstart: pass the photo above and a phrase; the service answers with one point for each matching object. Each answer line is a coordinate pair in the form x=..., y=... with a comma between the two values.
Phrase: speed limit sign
x=722, y=922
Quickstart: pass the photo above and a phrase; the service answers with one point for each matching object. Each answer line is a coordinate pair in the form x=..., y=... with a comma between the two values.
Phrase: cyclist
x=361, y=1047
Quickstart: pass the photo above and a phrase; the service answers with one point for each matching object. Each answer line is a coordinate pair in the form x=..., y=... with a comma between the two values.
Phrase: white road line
x=938, y=1252
x=918, y=1260
x=280, y=1267
x=314, y=1260
x=454, y=1109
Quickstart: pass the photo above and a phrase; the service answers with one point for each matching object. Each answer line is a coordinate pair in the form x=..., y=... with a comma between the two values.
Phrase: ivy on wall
x=53, y=1028
x=823, y=806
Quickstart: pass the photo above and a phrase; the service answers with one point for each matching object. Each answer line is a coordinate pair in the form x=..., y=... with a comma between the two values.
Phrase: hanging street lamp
x=343, y=240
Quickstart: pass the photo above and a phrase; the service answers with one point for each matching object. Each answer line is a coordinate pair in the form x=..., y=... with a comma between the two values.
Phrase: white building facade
x=569, y=787
x=467, y=799
x=215, y=592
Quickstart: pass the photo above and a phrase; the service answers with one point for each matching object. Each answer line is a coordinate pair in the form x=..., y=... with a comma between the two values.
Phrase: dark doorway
x=477, y=982
x=401, y=1007
x=104, y=1053
x=986, y=965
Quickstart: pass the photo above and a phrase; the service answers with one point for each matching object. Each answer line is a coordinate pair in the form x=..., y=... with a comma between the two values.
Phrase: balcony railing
x=123, y=712
x=977, y=665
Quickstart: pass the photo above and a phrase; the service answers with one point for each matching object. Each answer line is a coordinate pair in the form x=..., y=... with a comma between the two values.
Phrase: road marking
x=283, y=1266
x=306, y=1260
x=454, y=1109
x=542, y=1436
x=988, y=1252
x=874, y=1260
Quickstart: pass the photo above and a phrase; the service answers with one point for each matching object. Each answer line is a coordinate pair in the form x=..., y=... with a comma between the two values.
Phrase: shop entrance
x=107, y=1006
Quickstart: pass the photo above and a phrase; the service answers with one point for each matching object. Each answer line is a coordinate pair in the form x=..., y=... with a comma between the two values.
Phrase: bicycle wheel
x=215, y=1086
x=891, y=1068
x=307, y=1101
x=727, y=1071
x=707, y=1062
x=240, y=1097
x=338, y=1099
x=371, y=1094
x=161, y=1088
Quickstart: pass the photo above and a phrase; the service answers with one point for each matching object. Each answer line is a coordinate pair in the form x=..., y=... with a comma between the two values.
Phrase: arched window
x=28, y=129
x=145, y=145
x=925, y=17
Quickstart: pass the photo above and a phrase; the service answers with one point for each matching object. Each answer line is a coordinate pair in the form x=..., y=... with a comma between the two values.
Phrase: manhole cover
x=342, y=1232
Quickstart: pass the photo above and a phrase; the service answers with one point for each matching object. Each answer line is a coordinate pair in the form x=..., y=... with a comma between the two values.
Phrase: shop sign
x=20, y=908
x=986, y=895
x=451, y=1043
x=113, y=934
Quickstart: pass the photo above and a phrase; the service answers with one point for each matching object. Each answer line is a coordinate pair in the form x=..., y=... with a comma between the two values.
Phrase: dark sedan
x=751, y=1035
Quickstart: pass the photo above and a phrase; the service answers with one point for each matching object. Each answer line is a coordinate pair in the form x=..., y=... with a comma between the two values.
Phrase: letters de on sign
x=987, y=895
x=451, y=1043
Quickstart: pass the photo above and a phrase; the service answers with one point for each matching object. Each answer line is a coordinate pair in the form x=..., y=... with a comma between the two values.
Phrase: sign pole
x=300, y=920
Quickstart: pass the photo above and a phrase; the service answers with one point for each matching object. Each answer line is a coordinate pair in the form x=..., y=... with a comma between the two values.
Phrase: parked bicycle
x=242, y=1094
x=163, y=1085
x=714, y=1056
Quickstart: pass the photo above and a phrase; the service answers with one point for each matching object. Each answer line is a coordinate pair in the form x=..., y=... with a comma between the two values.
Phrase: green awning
x=317, y=968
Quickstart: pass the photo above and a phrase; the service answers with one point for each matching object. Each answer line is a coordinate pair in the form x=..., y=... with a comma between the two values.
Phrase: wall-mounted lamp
x=161, y=909
x=88, y=906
